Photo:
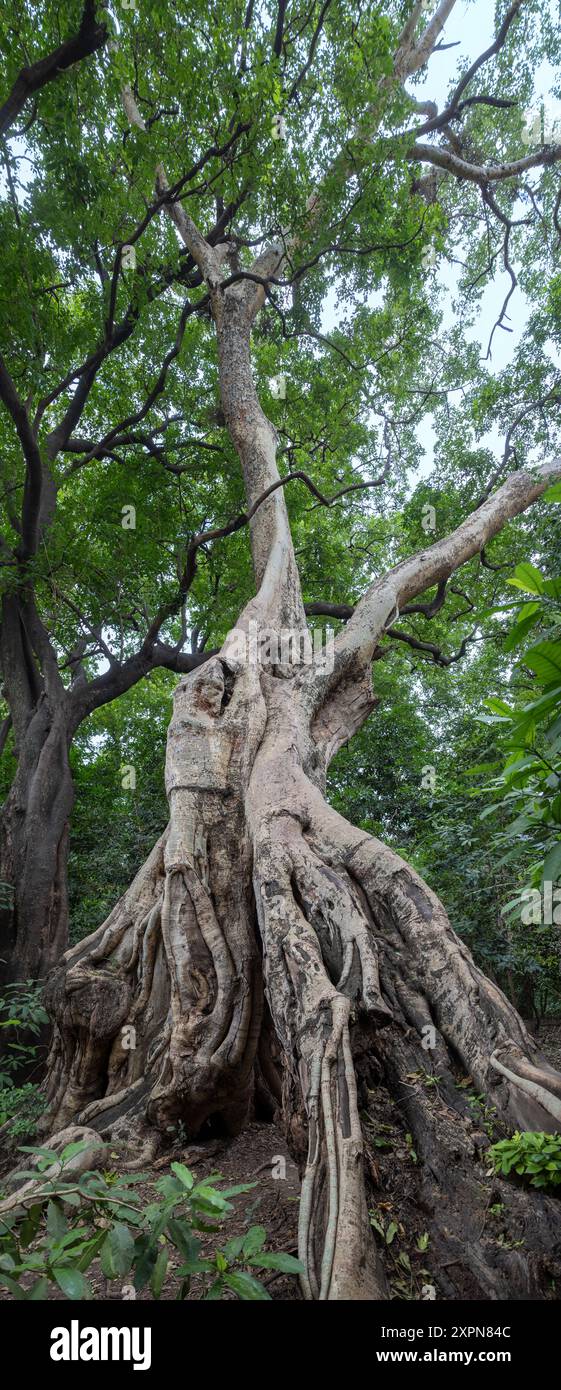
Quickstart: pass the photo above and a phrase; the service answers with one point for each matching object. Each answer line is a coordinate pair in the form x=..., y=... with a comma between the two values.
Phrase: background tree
x=258, y=887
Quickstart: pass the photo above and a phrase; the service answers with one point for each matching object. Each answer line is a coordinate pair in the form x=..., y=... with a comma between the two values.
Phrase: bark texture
x=259, y=890
x=34, y=823
x=259, y=887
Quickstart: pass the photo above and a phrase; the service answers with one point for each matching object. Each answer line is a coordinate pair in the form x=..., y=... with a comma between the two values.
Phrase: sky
x=472, y=27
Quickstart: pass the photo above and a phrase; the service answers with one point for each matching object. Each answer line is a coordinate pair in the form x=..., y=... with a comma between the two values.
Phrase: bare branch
x=277, y=43
x=428, y=648
x=200, y=250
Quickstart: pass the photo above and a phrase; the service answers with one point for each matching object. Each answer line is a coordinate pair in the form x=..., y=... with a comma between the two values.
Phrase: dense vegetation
x=249, y=374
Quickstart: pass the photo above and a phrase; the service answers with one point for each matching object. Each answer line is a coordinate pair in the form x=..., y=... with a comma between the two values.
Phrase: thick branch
x=91, y=36
x=382, y=603
x=33, y=491
x=411, y=56
x=483, y=173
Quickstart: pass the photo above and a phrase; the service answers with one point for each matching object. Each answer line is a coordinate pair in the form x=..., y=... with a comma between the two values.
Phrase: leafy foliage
x=68, y=1224
x=21, y=1017
x=535, y=1157
x=529, y=785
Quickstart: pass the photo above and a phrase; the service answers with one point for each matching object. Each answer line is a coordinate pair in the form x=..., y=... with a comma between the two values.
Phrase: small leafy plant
x=532, y=1155
x=406, y=1270
x=483, y=1114
x=21, y=1015
x=20, y=1109
x=70, y=1221
x=249, y=1250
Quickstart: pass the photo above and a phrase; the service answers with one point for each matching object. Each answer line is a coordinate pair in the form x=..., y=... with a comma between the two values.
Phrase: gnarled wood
x=259, y=888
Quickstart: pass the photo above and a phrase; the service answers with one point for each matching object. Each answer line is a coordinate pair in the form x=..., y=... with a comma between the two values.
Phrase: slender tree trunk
x=34, y=824
x=34, y=851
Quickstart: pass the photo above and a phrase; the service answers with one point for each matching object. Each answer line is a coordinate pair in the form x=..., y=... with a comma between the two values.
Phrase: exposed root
x=160, y=1014
x=93, y=1154
x=530, y=1084
x=311, y=1016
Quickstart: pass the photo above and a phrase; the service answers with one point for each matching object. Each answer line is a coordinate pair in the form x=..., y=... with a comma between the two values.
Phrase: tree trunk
x=258, y=888
x=35, y=815
x=34, y=851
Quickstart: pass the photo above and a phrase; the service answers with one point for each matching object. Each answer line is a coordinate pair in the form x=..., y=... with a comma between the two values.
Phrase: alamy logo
x=287, y=647
x=102, y=1344
x=541, y=908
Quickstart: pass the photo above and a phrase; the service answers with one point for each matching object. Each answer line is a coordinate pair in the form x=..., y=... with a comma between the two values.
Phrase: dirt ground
x=259, y=1155
x=548, y=1038
x=273, y=1203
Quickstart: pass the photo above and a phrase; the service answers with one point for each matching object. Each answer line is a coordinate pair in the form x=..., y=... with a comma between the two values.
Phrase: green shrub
x=21, y=1015
x=62, y=1227
x=532, y=1155
x=20, y=1108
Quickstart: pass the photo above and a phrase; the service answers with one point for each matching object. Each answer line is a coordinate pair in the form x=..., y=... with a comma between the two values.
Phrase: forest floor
x=548, y=1039
x=259, y=1156
x=253, y=1157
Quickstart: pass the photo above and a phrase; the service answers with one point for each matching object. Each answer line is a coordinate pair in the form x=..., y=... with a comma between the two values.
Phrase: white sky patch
x=472, y=28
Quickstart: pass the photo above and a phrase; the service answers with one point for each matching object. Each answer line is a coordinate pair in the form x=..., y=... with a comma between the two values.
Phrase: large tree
x=77, y=630
x=267, y=949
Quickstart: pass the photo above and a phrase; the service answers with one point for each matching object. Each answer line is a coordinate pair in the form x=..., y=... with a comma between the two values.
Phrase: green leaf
x=11, y=1284
x=255, y=1240
x=159, y=1273
x=499, y=707
x=38, y=1291
x=71, y=1281
x=528, y=578
x=185, y=1176
x=246, y=1287
x=57, y=1225
x=209, y=1201
x=181, y=1235
x=121, y=1245
x=49, y=1155
x=234, y=1247
x=146, y=1256
x=195, y=1266
x=72, y=1149
x=545, y=660
x=270, y=1259
x=551, y=872
x=106, y=1259
x=521, y=629
x=91, y=1251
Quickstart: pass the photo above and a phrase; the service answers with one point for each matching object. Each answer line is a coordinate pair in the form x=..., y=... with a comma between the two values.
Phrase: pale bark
x=350, y=936
x=354, y=951
x=259, y=889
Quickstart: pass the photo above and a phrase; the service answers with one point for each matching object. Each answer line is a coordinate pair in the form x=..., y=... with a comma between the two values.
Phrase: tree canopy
x=110, y=371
